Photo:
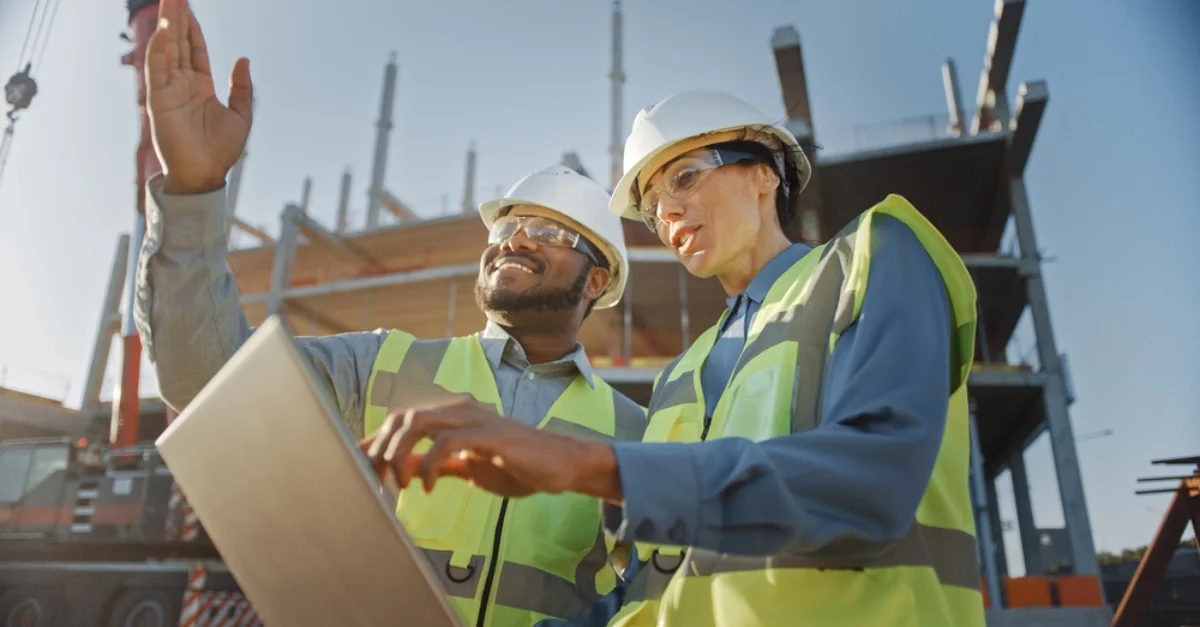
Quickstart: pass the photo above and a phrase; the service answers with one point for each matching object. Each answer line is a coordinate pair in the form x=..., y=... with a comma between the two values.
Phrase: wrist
x=183, y=186
x=597, y=472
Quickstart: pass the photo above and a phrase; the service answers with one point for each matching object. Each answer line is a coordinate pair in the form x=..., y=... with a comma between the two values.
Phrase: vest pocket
x=561, y=528
x=682, y=423
x=435, y=519
x=762, y=399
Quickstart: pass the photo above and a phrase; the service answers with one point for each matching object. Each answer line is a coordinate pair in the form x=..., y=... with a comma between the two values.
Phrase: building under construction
x=965, y=175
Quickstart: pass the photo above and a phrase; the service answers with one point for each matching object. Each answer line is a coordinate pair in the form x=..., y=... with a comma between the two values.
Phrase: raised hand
x=197, y=138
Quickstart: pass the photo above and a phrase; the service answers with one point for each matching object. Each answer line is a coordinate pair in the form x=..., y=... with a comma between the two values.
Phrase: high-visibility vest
x=931, y=577
x=504, y=562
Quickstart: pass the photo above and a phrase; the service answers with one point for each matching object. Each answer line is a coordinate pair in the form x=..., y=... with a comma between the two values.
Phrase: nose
x=516, y=241
x=669, y=210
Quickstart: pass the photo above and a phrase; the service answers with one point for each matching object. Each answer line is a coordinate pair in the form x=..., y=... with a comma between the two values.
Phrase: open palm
x=197, y=138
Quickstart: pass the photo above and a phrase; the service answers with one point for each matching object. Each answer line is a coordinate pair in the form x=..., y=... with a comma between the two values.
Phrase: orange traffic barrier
x=1079, y=591
x=1028, y=591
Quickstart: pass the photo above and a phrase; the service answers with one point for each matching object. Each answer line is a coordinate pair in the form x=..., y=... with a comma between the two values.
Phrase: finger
x=168, y=24
x=158, y=73
x=401, y=445
x=197, y=45
x=449, y=446
x=241, y=90
x=384, y=435
x=184, y=39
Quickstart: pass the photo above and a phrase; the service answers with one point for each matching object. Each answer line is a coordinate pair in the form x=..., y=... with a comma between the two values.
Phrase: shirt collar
x=502, y=343
x=770, y=273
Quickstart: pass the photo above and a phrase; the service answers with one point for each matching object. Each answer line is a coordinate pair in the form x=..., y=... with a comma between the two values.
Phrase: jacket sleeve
x=849, y=487
x=189, y=314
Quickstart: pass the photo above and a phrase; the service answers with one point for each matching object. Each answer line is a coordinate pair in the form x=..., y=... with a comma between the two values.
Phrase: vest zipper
x=491, y=573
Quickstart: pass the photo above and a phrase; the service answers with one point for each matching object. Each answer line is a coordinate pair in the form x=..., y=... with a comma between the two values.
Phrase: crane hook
x=20, y=90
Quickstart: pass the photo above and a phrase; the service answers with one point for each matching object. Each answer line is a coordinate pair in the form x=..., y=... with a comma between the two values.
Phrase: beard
x=542, y=299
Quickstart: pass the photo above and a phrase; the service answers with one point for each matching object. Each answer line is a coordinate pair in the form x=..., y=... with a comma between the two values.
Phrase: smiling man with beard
x=554, y=252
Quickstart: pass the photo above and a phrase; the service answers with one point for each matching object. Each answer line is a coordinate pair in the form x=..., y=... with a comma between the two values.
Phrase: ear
x=765, y=178
x=597, y=281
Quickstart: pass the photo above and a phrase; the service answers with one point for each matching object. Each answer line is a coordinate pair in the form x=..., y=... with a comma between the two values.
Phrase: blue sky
x=1112, y=180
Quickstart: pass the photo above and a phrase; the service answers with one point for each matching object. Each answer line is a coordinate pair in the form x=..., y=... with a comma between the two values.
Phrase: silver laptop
x=296, y=511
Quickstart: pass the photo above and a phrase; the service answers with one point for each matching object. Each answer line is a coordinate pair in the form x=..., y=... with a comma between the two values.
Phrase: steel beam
x=110, y=320
x=285, y=256
x=251, y=229
x=382, y=135
x=997, y=526
x=353, y=285
x=987, y=545
x=320, y=236
x=1031, y=548
x=306, y=194
x=953, y=96
x=397, y=208
x=343, y=203
x=1062, y=438
x=1031, y=104
x=990, y=103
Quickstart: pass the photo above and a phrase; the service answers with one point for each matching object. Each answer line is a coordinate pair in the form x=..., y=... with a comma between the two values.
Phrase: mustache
x=537, y=264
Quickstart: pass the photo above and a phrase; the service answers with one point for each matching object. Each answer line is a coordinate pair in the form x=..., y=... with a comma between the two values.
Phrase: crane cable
x=37, y=35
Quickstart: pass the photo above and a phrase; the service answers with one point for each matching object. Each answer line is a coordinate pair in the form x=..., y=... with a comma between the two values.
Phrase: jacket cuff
x=662, y=494
x=184, y=222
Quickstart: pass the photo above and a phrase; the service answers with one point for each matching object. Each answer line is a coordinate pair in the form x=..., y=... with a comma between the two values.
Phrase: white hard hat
x=583, y=203
x=683, y=122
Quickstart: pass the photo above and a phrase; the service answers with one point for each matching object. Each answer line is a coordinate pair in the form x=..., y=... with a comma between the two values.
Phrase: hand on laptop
x=502, y=456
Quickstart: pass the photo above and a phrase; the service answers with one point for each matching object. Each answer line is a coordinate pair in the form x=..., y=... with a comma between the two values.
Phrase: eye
x=685, y=179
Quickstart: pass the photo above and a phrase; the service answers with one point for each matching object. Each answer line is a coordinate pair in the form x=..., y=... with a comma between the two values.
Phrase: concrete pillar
x=1062, y=438
x=1031, y=547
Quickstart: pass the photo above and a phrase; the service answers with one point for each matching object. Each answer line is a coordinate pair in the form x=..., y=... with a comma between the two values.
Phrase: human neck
x=741, y=271
x=543, y=340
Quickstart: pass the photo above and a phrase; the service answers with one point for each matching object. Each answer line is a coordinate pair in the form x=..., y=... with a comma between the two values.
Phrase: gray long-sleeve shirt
x=189, y=314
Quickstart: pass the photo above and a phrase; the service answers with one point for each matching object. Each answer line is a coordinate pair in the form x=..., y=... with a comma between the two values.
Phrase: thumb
x=241, y=90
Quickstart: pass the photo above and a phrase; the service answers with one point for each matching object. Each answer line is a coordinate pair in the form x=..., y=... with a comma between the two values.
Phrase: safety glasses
x=543, y=231
x=683, y=176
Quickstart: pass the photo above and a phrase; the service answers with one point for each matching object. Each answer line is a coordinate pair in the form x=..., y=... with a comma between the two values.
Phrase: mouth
x=516, y=264
x=684, y=239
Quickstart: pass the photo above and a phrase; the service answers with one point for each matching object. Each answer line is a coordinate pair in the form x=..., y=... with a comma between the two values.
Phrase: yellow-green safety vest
x=504, y=562
x=931, y=577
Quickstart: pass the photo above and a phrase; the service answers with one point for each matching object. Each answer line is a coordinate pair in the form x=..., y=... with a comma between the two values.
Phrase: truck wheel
x=32, y=606
x=145, y=607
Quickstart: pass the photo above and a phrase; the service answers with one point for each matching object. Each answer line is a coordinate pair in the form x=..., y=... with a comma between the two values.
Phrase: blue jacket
x=884, y=411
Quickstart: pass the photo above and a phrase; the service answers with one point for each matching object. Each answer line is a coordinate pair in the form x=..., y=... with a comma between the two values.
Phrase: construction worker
x=555, y=251
x=806, y=459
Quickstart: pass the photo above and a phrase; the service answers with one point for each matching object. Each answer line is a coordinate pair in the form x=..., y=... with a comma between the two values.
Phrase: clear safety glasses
x=543, y=231
x=683, y=176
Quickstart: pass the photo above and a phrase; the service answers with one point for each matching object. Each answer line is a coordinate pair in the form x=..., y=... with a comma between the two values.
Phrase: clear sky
x=1112, y=181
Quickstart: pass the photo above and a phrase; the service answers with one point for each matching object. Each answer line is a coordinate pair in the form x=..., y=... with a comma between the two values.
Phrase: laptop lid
x=297, y=513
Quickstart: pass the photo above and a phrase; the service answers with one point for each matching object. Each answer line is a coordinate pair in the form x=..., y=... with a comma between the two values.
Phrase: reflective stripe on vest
x=552, y=556
x=930, y=577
